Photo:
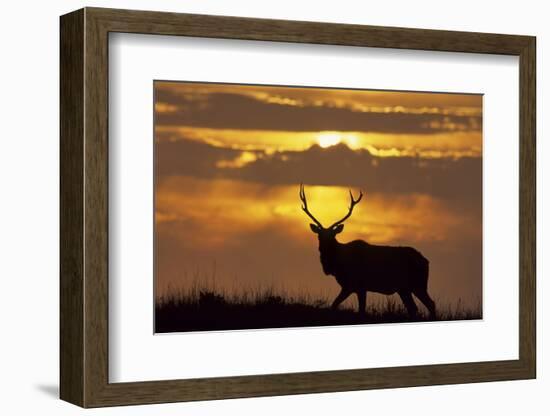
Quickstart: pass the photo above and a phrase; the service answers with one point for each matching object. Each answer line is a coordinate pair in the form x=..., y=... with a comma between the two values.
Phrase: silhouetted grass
x=200, y=309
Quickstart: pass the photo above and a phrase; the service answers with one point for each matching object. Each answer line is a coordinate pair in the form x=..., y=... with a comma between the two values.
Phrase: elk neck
x=329, y=249
x=328, y=244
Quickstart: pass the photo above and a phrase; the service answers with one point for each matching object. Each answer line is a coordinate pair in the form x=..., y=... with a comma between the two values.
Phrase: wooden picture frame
x=84, y=207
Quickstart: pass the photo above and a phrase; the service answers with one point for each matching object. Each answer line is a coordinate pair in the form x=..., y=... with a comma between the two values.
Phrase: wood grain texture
x=71, y=199
x=527, y=207
x=225, y=27
x=96, y=208
x=84, y=207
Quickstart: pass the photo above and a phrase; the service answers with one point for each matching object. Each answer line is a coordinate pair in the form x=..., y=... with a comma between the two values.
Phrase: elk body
x=360, y=267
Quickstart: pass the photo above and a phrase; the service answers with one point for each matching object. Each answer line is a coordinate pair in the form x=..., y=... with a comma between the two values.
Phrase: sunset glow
x=459, y=144
x=230, y=160
x=329, y=139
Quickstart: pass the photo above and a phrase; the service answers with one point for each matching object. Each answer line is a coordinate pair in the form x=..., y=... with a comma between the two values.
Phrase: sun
x=328, y=139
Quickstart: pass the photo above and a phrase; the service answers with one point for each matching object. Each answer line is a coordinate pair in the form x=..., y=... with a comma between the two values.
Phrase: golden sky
x=230, y=158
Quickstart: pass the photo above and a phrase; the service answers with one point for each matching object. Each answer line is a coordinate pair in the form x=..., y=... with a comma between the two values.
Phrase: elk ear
x=338, y=229
x=314, y=228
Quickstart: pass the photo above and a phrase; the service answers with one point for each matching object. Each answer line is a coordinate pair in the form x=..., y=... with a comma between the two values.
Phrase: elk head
x=328, y=234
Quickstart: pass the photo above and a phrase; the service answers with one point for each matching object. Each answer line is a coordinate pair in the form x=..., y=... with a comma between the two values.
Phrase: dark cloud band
x=335, y=166
x=237, y=111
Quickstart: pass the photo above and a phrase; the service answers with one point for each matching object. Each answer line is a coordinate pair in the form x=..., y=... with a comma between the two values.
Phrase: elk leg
x=342, y=296
x=362, y=299
x=408, y=301
x=423, y=296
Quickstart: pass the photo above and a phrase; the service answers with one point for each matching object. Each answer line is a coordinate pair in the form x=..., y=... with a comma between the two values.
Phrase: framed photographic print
x=255, y=207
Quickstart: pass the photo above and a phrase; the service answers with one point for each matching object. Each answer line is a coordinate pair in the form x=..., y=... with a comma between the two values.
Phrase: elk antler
x=304, y=206
x=352, y=204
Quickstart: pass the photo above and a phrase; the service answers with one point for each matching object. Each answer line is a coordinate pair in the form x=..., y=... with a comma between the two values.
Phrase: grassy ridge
x=205, y=310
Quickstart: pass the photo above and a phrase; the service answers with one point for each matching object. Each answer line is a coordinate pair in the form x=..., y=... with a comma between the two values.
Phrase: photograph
x=289, y=206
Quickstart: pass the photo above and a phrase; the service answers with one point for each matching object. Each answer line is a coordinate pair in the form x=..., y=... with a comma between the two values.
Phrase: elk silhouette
x=360, y=267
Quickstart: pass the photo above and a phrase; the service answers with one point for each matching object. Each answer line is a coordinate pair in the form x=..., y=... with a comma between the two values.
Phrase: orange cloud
x=354, y=99
x=455, y=145
x=221, y=210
